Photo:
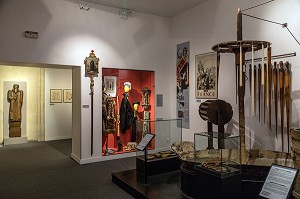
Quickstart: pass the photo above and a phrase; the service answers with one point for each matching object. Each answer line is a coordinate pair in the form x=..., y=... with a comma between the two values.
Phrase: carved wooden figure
x=15, y=98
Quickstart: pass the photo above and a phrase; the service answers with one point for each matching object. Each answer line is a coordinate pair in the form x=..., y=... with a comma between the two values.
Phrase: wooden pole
x=281, y=97
x=269, y=85
x=275, y=85
x=92, y=113
x=241, y=90
x=287, y=83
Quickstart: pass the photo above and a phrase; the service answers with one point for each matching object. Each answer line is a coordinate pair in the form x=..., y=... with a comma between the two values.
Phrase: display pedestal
x=14, y=129
x=16, y=140
x=188, y=184
x=157, y=166
x=166, y=185
x=217, y=186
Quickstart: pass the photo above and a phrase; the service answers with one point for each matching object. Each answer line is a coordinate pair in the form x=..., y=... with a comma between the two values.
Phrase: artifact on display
x=15, y=99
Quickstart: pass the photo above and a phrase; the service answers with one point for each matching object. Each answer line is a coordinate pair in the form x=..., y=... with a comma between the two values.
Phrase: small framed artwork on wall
x=67, y=96
x=110, y=83
x=55, y=96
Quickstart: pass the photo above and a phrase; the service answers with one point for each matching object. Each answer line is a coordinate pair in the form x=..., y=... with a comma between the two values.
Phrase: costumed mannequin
x=126, y=112
x=15, y=98
x=108, y=117
x=135, y=118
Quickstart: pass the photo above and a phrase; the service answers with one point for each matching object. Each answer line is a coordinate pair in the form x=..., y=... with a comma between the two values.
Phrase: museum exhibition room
x=150, y=99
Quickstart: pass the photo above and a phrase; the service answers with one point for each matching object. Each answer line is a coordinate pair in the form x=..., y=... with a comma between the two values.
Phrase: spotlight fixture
x=124, y=13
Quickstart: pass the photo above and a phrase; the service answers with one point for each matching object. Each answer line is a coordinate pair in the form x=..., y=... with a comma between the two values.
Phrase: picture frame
x=55, y=95
x=110, y=83
x=91, y=64
x=206, y=76
x=67, y=95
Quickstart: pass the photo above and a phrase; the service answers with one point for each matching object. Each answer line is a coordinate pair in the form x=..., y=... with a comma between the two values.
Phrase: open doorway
x=46, y=120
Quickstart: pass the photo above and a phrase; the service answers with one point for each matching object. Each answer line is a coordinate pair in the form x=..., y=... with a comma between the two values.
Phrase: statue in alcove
x=15, y=99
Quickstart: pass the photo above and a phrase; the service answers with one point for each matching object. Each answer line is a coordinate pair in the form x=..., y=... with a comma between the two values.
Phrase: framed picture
x=91, y=64
x=110, y=83
x=55, y=96
x=67, y=95
x=206, y=76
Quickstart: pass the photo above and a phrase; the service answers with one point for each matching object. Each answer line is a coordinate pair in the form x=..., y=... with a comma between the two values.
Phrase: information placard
x=278, y=184
x=145, y=141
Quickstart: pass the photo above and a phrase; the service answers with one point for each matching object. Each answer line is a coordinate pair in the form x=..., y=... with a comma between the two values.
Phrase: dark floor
x=45, y=170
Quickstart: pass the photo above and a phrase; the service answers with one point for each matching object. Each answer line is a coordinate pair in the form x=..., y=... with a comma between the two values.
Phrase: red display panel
x=139, y=79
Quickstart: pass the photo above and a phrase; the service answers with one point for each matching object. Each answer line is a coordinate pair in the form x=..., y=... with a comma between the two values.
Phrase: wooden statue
x=15, y=98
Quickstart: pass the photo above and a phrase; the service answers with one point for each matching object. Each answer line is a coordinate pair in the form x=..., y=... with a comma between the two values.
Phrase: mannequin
x=135, y=118
x=126, y=112
x=108, y=117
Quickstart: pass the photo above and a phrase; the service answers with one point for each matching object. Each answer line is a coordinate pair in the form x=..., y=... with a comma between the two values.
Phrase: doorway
x=45, y=120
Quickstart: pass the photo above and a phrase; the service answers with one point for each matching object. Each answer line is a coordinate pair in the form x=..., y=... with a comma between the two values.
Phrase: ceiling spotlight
x=124, y=13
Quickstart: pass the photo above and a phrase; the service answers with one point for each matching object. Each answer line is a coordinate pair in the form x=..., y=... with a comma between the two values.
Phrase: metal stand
x=146, y=167
x=210, y=132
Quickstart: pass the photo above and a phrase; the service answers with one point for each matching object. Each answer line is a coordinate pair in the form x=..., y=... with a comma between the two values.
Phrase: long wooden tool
x=236, y=82
x=265, y=90
x=119, y=141
x=275, y=84
x=250, y=78
x=255, y=92
x=259, y=89
x=270, y=85
x=281, y=100
x=287, y=82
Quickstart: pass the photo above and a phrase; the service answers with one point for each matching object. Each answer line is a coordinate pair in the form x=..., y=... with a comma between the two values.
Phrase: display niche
x=127, y=102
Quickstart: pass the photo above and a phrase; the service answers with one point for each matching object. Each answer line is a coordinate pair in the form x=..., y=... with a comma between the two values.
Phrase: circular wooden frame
x=234, y=46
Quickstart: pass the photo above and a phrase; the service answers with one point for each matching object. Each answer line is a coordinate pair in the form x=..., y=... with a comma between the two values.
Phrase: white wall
x=58, y=116
x=213, y=22
x=66, y=36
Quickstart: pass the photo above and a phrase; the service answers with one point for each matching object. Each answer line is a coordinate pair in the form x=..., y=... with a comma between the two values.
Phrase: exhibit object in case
x=160, y=158
x=218, y=161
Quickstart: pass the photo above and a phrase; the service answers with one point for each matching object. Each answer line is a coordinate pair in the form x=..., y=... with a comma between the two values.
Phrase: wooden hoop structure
x=234, y=46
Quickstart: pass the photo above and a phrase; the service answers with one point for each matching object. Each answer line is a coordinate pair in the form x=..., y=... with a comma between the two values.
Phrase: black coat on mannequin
x=126, y=114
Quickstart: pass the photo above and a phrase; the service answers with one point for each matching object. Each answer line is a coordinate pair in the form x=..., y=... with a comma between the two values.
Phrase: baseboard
x=77, y=159
x=58, y=138
x=105, y=158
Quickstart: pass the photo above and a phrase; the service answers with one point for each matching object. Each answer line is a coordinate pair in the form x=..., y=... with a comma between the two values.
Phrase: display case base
x=157, y=166
x=165, y=185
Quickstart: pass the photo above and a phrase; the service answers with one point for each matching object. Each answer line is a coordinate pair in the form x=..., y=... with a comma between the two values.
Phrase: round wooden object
x=234, y=46
x=216, y=111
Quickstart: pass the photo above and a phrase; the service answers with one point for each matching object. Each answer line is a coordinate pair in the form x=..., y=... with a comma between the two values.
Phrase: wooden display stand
x=158, y=165
x=14, y=129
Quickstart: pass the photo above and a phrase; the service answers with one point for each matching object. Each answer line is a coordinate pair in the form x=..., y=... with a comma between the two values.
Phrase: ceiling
x=164, y=8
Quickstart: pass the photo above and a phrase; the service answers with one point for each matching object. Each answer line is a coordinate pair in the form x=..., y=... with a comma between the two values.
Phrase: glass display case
x=127, y=97
x=218, y=154
x=158, y=156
